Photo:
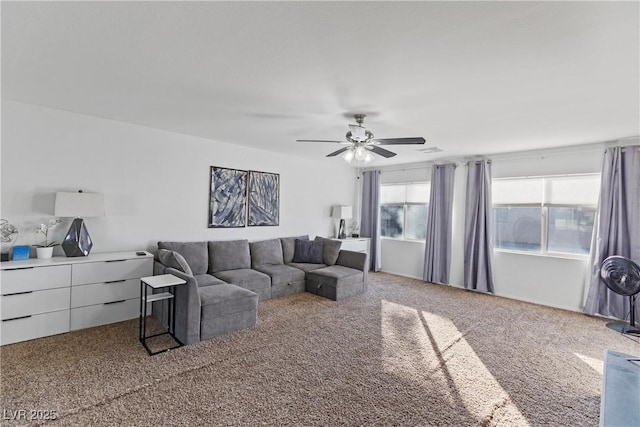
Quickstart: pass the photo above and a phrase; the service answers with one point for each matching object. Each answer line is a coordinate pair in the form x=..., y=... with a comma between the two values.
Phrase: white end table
x=169, y=282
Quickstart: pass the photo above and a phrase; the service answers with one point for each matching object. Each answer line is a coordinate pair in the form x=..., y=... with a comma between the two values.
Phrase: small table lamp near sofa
x=342, y=212
x=78, y=205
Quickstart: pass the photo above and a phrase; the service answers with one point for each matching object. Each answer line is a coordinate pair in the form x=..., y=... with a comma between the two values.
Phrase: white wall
x=156, y=183
x=553, y=281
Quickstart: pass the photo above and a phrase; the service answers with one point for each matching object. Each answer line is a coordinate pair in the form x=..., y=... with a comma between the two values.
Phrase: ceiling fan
x=361, y=143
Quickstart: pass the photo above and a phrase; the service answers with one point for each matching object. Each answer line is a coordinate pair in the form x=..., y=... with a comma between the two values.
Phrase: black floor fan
x=622, y=276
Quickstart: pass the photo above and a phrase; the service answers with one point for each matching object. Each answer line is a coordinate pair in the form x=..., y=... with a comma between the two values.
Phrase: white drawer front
x=107, y=271
x=94, y=315
x=35, y=302
x=358, y=245
x=36, y=326
x=33, y=279
x=99, y=293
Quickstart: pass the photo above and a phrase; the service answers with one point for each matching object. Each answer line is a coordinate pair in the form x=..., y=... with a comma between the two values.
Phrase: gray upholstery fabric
x=174, y=260
x=246, y=278
x=207, y=280
x=331, y=249
x=289, y=247
x=266, y=252
x=229, y=255
x=187, y=301
x=195, y=253
x=226, y=308
x=282, y=274
x=306, y=266
x=335, y=282
x=285, y=280
x=308, y=252
x=221, y=300
x=356, y=260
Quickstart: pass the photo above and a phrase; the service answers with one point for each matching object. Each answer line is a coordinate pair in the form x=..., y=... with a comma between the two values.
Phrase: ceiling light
x=348, y=156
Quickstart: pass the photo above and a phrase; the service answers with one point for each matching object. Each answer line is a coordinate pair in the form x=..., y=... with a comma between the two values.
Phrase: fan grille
x=621, y=275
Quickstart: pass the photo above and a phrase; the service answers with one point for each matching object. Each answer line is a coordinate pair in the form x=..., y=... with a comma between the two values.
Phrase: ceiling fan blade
x=322, y=140
x=398, y=141
x=340, y=151
x=381, y=151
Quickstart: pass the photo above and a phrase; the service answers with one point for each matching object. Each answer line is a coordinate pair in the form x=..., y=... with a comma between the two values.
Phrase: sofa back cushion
x=174, y=260
x=331, y=250
x=289, y=248
x=229, y=255
x=195, y=253
x=266, y=252
x=308, y=251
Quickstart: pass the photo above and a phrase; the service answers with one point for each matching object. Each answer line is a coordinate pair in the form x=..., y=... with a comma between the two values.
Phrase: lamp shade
x=79, y=205
x=340, y=212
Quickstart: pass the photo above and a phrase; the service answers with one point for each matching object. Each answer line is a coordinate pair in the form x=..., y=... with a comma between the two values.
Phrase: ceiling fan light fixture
x=361, y=153
x=348, y=156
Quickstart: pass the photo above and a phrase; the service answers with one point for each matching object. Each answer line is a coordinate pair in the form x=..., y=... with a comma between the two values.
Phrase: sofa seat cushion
x=250, y=279
x=229, y=255
x=266, y=252
x=195, y=253
x=207, y=280
x=306, y=267
x=335, y=282
x=222, y=300
x=282, y=274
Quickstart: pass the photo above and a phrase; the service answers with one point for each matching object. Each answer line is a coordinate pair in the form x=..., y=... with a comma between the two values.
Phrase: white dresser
x=355, y=244
x=40, y=297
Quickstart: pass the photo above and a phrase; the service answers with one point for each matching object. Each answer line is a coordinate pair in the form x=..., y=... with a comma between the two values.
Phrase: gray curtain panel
x=617, y=227
x=478, y=224
x=437, y=250
x=370, y=221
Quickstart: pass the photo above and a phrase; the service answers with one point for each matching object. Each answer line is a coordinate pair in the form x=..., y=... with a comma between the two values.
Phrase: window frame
x=404, y=211
x=544, y=221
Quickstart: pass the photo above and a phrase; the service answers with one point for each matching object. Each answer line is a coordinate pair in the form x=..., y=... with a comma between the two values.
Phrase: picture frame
x=263, y=199
x=227, y=197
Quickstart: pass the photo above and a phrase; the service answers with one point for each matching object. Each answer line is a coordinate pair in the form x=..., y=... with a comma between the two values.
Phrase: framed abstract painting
x=228, y=198
x=264, y=198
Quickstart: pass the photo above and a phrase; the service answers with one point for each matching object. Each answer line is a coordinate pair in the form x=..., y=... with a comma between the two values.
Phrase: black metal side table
x=169, y=282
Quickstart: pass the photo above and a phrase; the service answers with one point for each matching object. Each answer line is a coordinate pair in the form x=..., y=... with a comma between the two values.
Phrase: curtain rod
x=597, y=147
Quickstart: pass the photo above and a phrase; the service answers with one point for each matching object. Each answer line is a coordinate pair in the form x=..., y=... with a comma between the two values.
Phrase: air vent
x=429, y=150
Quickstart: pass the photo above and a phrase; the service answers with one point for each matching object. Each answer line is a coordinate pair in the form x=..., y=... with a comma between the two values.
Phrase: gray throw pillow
x=331, y=249
x=308, y=251
x=174, y=260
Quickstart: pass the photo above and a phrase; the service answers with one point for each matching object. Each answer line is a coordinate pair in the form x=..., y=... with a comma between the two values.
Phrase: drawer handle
x=114, y=302
x=115, y=281
x=116, y=260
x=17, y=293
x=21, y=268
x=16, y=318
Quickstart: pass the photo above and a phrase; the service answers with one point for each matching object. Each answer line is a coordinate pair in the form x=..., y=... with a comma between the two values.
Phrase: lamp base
x=77, y=242
x=342, y=234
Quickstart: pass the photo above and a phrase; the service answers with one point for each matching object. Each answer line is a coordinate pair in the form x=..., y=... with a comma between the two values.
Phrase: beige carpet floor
x=406, y=353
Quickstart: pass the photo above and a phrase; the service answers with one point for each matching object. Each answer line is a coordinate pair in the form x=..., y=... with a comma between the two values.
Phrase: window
x=545, y=214
x=403, y=210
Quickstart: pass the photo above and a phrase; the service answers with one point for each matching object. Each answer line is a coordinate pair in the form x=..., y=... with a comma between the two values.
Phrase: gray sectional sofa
x=227, y=279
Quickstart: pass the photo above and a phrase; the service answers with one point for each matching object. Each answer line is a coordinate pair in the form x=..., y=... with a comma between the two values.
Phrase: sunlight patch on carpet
x=421, y=345
x=597, y=365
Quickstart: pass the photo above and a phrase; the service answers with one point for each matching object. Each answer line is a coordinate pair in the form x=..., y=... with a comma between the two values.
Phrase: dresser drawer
x=33, y=279
x=355, y=245
x=94, y=315
x=99, y=293
x=36, y=326
x=35, y=302
x=107, y=271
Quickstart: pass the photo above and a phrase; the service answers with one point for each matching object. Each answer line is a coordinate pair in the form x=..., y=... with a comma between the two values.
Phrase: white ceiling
x=471, y=77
